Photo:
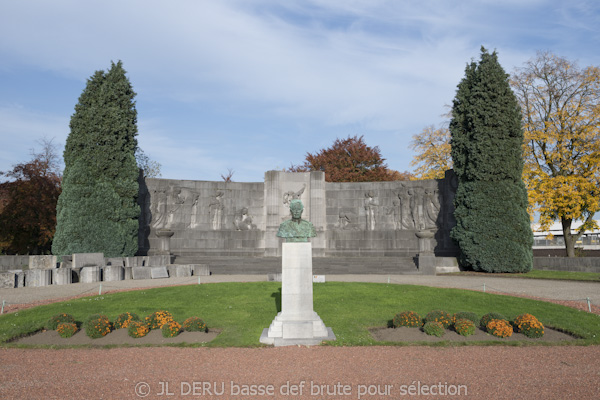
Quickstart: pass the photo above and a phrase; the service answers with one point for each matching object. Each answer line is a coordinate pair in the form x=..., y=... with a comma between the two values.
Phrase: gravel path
x=324, y=372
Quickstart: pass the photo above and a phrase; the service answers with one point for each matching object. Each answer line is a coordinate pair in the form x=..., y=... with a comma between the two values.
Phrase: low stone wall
x=13, y=262
x=90, y=268
x=576, y=264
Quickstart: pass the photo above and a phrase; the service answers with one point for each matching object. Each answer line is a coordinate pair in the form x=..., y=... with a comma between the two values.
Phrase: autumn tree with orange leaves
x=432, y=147
x=561, y=119
x=28, y=204
x=350, y=160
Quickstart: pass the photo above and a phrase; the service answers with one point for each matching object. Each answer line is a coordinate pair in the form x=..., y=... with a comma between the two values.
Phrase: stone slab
x=159, y=272
x=180, y=271
x=38, y=278
x=8, y=280
x=318, y=279
x=81, y=260
x=42, y=262
x=127, y=274
x=113, y=273
x=62, y=276
x=141, y=272
x=90, y=274
x=274, y=277
x=201, y=269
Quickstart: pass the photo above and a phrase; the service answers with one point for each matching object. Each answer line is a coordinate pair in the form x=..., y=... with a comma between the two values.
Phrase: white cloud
x=22, y=129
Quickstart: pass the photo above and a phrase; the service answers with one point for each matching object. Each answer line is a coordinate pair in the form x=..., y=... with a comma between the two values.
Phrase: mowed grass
x=242, y=310
x=539, y=274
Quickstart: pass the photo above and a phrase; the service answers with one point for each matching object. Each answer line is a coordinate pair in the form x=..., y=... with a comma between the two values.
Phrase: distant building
x=553, y=237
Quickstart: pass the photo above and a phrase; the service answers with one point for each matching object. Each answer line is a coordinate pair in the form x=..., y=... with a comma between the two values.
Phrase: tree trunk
x=569, y=238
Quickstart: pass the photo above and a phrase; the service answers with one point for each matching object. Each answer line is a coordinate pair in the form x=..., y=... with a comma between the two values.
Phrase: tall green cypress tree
x=97, y=209
x=493, y=227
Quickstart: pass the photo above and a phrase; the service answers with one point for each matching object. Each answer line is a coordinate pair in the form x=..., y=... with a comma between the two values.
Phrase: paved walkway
x=548, y=289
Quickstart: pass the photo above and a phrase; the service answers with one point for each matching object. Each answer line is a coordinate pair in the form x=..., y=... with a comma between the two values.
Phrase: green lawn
x=538, y=274
x=242, y=310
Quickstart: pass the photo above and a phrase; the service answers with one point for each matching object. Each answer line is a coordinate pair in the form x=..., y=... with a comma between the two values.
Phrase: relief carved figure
x=215, y=209
x=431, y=207
x=175, y=201
x=158, y=208
x=343, y=221
x=195, y=218
x=291, y=195
x=416, y=207
x=243, y=222
x=371, y=205
x=401, y=209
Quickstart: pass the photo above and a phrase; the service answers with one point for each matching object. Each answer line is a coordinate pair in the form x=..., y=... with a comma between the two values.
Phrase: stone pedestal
x=62, y=276
x=89, y=274
x=113, y=273
x=164, y=236
x=297, y=323
x=426, y=258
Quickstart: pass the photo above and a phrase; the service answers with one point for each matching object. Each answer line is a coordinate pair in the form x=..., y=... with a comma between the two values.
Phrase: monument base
x=297, y=323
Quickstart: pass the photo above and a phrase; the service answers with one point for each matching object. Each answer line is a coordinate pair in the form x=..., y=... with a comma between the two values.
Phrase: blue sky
x=254, y=85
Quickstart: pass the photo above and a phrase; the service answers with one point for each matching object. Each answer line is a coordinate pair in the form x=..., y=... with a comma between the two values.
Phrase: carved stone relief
x=371, y=205
x=243, y=221
x=431, y=207
x=291, y=195
x=215, y=209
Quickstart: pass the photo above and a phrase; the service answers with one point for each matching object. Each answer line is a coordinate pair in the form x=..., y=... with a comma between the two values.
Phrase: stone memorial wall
x=226, y=219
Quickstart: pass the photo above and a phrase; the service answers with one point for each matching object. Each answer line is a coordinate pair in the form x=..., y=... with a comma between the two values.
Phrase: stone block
x=179, y=271
x=42, y=262
x=141, y=272
x=113, y=273
x=62, y=276
x=127, y=274
x=201, y=270
x=81, y=260
x=159, y=272
x=274, y=277
x=8, y=280
x=19, y=277
x=158, y=261
x=118, y=261
x=90, y=274
x=38, y=277
x=426, y=264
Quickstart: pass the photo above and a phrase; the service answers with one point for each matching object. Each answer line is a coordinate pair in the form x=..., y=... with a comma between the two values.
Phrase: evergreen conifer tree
x=493, y=227
x=97, y=209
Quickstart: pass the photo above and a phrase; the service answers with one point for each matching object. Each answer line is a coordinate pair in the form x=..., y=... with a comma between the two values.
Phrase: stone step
x=321, y=265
